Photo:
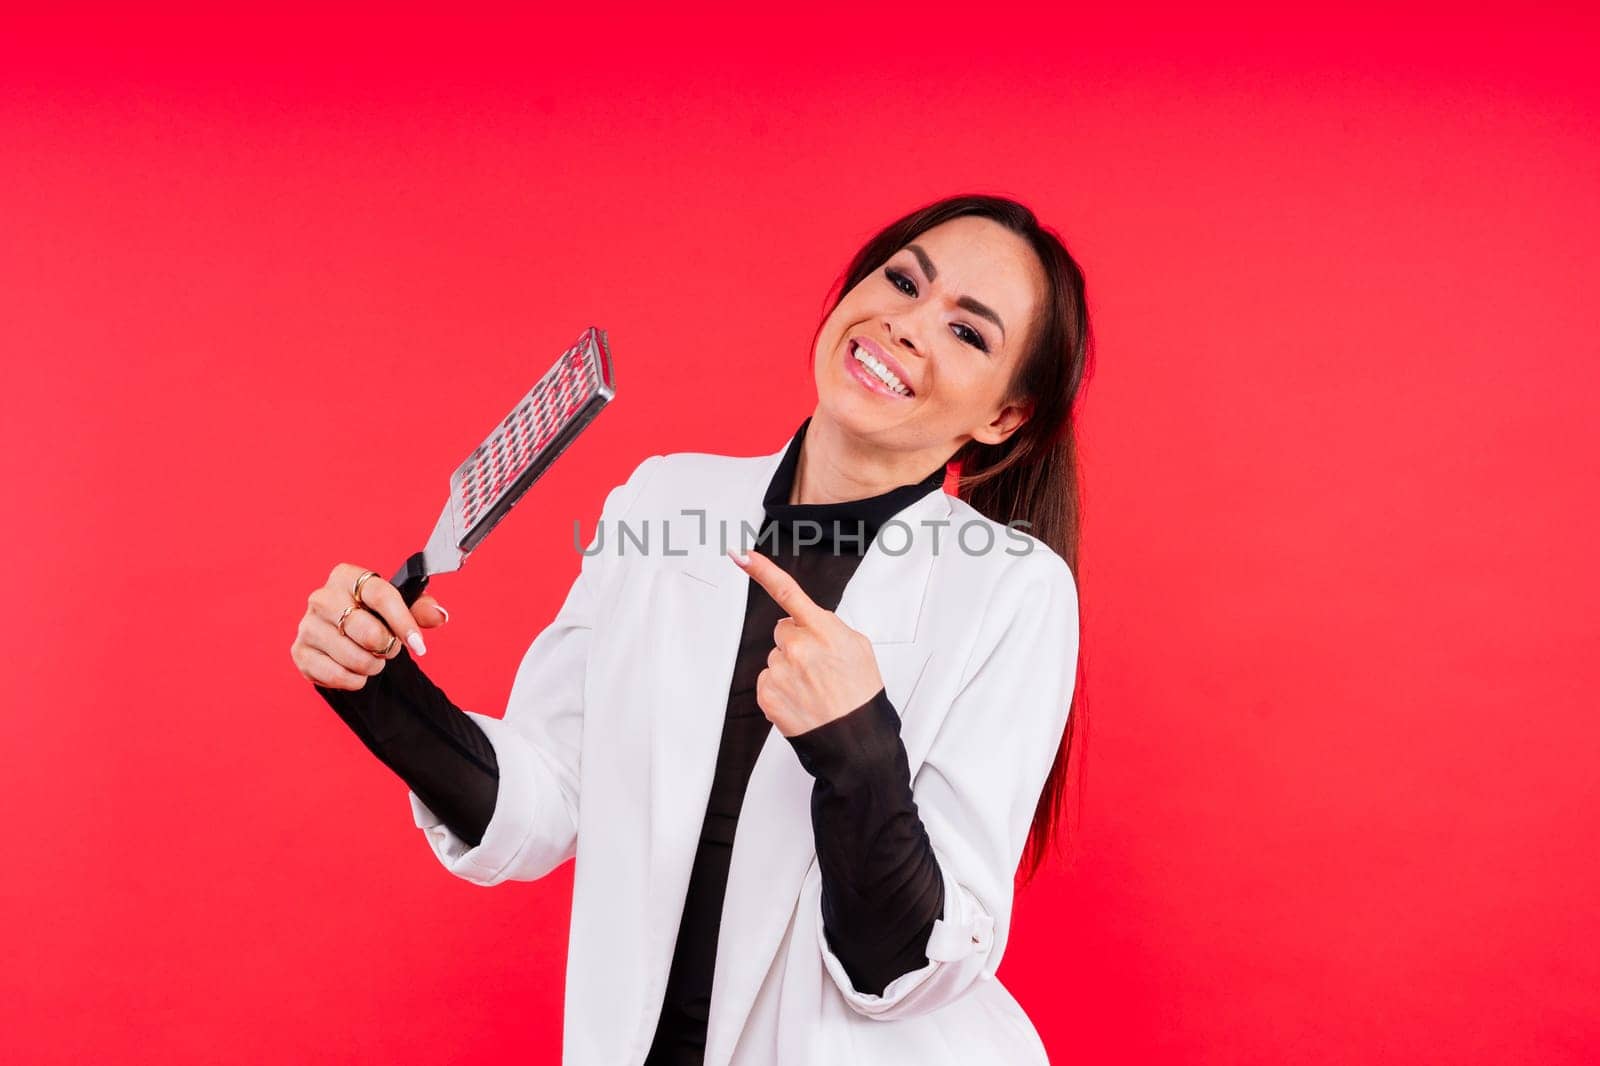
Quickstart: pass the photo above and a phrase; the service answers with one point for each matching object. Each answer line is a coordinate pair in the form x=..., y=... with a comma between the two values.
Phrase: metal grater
x=520, y=449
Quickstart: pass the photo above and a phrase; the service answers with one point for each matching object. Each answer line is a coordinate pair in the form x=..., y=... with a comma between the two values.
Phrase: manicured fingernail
x=415, y=640
x=444, y=612
x=741, y=558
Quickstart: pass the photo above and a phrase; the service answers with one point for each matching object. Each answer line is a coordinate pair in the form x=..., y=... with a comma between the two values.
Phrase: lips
x=875, y=350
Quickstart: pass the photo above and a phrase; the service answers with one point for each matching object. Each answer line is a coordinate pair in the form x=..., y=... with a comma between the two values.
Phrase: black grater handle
x=411, y=579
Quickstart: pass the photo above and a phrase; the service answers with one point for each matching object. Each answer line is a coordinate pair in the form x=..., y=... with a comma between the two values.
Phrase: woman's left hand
x=820, y=669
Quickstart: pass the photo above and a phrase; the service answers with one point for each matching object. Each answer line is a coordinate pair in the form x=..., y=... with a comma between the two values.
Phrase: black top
x=881, y=886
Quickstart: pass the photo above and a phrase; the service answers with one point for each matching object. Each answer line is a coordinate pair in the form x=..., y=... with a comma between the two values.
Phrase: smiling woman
x=810, y=772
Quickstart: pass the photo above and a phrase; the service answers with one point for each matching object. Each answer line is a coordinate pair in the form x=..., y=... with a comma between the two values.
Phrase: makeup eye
x=971, y=336
x=895, y=278
x=976, y=338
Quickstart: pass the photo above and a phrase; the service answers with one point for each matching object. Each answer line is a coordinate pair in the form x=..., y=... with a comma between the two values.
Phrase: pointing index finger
x=783, y=588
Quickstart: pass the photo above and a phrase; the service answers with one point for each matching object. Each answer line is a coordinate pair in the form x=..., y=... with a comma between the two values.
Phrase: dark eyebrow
x=965, y=301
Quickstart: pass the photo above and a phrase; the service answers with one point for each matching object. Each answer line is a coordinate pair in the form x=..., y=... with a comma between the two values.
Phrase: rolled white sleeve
x=979, y=786
x=534, y=827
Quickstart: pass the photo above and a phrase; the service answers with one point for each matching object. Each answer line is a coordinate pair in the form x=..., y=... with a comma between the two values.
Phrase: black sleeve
x=412, y=727
x=881, y=886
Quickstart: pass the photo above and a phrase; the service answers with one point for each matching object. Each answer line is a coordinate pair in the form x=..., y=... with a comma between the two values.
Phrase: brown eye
x=895, y=278
x=976, y=338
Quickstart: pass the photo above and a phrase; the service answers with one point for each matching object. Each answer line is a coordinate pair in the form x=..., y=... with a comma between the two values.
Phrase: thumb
x=428, y=613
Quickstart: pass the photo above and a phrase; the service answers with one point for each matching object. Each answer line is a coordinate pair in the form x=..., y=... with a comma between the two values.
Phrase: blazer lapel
x=697, y=616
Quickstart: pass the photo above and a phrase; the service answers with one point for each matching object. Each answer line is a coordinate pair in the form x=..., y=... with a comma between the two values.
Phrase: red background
x=263, y=281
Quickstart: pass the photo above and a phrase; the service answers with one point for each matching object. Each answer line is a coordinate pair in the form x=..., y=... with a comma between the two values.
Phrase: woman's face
x=949, y=316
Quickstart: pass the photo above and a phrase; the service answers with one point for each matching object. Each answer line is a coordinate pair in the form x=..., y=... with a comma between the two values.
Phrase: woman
x=881, y=715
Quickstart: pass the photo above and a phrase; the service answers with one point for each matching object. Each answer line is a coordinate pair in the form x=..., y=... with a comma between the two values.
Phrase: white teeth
x=884, y=374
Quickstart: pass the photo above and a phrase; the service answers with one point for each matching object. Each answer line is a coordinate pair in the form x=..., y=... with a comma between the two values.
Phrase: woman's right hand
x=345, y=660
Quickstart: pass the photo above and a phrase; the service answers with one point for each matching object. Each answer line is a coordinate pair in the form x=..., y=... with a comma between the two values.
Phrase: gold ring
x=355, y=593
x=384, y=654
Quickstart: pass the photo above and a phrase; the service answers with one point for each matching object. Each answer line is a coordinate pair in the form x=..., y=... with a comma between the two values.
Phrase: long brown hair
x=1033, y=475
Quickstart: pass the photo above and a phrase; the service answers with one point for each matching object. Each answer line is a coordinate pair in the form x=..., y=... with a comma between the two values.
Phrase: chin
x=863, y=420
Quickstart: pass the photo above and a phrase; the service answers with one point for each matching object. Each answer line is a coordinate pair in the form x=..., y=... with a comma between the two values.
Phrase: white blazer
x=611, y=733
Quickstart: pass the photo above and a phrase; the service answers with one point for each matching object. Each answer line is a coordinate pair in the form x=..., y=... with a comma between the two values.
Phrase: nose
x=899, y=334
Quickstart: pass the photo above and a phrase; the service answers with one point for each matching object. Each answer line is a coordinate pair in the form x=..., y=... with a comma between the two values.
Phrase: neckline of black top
x=848, y=523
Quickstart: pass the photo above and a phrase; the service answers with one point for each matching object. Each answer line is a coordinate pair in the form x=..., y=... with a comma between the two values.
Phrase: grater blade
x=515, y=454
